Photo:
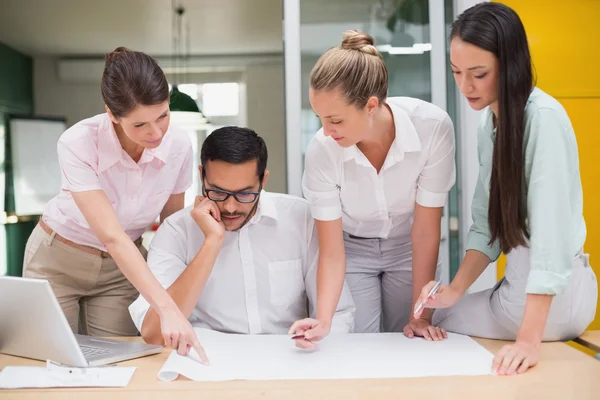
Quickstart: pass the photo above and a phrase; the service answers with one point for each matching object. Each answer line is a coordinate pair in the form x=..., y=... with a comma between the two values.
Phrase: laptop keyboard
x=94, y=351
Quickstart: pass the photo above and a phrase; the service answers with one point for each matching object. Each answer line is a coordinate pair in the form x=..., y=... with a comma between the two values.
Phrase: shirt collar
x=351, y=153
x=161, y=152
x=407, y=139
x=266, y=208
x=110, y=150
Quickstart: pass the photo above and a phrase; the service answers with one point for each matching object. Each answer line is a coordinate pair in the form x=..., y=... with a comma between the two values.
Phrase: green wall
x=16, y=97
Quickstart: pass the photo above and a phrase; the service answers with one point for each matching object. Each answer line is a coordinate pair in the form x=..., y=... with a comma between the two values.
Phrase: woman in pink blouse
x=120, y=171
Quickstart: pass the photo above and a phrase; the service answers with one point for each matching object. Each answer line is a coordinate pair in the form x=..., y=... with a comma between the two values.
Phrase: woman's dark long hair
x=498, y=29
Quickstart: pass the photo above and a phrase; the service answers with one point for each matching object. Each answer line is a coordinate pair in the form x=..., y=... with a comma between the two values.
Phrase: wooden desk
x=563, y=373
x=591, y=340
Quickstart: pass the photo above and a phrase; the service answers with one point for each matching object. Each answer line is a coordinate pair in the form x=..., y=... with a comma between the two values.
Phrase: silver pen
x=433, y=290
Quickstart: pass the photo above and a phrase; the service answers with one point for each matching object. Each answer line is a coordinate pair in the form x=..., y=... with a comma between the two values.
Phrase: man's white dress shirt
x=264, y=278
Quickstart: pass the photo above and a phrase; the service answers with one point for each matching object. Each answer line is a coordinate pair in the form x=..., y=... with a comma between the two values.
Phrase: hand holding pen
x=308, y=331
x=436, y=295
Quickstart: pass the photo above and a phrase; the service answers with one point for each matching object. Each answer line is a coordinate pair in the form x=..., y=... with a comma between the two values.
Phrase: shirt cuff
x=546, y=282
x=431, y=199
x=82, y=188
x=138, y=310
x=330, y=213
x=479, y=242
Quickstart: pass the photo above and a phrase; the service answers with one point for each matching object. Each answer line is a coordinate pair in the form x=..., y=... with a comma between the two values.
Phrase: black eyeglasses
x=222, y=195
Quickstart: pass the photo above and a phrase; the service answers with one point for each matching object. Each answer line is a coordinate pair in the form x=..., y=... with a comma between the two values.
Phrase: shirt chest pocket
x=157, y=201
x=148, y=210
x=286, y=282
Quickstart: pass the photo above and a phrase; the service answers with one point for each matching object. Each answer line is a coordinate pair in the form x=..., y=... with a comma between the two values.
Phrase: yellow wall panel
x=563, y=37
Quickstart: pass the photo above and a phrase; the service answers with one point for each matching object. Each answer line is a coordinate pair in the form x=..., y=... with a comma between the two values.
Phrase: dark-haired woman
x=527, y=203
x=120, y=171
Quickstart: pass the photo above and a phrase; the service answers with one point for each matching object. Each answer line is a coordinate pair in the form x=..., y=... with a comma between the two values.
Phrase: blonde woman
x=377, y=178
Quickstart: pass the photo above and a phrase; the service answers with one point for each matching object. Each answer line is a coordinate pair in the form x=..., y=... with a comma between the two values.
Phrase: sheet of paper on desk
x=61, y=376
x=340, y=356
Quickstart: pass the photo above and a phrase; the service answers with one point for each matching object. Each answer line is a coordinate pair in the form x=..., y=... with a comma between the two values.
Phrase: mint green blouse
x=553, y=193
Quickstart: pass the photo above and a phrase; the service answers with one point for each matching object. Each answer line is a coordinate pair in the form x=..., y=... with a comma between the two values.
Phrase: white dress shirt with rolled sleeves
x=419, y=168
x=264, y=278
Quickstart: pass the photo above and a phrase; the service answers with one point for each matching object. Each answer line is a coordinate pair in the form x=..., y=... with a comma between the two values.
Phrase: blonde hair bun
x=352, y=69
x=357, y=40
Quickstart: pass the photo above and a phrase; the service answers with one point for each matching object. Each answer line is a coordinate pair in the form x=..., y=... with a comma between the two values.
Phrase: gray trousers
x=496, y=313
x=379, y=275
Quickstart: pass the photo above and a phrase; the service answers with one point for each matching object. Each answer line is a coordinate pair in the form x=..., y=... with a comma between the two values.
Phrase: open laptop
x=33, y=325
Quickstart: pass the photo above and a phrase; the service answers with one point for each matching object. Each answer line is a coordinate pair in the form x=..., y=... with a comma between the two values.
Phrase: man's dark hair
x=235, y=145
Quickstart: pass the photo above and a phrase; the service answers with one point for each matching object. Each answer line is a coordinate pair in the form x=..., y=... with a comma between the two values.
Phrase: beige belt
x=87, y=249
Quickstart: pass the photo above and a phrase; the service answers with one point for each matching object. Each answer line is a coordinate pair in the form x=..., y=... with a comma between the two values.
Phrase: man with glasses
x=241, y=260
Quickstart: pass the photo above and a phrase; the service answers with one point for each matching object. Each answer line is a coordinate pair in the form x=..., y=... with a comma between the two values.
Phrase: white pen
x=433, y=290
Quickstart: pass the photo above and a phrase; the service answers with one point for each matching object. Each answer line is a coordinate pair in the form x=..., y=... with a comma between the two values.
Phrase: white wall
x=77, y=99
x=74, y=101
x=266, y=115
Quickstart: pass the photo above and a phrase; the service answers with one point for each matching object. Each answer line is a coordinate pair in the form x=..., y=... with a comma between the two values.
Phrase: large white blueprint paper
x=340, y=356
